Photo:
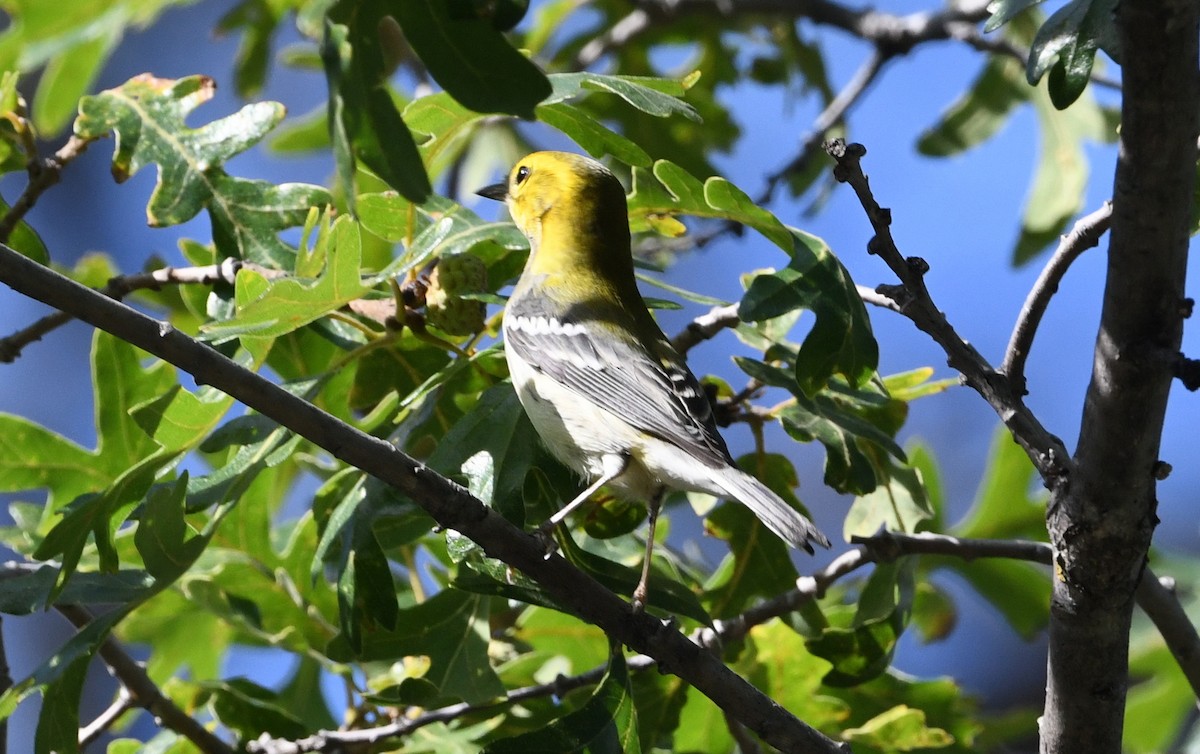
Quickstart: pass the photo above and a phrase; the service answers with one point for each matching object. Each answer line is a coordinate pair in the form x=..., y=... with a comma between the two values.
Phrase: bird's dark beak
x=497, y=191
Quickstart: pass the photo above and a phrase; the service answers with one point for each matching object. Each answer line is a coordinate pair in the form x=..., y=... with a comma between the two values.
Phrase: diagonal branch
x=143, y=692
x=106, y=719
x=450, y=505
x=1049, y=455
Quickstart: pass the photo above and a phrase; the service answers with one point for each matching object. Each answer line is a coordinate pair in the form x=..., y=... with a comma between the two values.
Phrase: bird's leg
x=640, y=594
x=614, y=466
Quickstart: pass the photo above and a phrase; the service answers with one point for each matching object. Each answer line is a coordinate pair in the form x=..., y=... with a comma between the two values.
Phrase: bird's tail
x=779, y=517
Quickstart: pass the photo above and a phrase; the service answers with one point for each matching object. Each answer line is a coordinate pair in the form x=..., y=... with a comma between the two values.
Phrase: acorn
x=445, y=308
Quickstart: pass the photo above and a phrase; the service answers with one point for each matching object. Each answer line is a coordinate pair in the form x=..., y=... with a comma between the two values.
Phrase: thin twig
x=42, y=175
x=339, y=740
x=1156, y=596
x=875, y=298
x=106, y=719
x=144, y=692
x=705, y=327
x=1083, y=236
x=1049, y=455
x=833, y=114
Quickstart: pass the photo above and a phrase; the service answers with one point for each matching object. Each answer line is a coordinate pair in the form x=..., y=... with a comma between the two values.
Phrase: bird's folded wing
x=653, y=392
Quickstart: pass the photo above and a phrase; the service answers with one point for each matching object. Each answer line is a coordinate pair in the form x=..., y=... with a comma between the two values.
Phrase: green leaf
x=669, y=190
x=495, y=428
x=365, y=588
x=58, y=723
x=1004, y=11
x=129, y=460
x=855, y=426
x=450, y=628
x=470, y=59
x=660, y=97
x=147, y=114
x=864, y=650
x=252, y=710
x=61, y=668
x=446, y=125
x=899, y=729
x=1066, y=46
x=23, y=237
x=258, y=20
x=841, y=341
x=269, y=309
x=980, y=112
x=364, y=122
x=438, y=227
x=161, y=536
x=178, y=419
x=666, y=595
x=479, y=574
x=606, y=724
x=1057, y=192
x=1005, y=509
x=26, y=594
x=593, y=136
x=33, y=457
x=1004, y=506
x=898, y=504
x=777, y=661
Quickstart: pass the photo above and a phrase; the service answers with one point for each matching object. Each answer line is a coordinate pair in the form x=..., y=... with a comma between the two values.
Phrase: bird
x=602, y=385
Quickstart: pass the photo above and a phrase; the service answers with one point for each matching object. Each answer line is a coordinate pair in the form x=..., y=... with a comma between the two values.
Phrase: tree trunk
x=1101, y=522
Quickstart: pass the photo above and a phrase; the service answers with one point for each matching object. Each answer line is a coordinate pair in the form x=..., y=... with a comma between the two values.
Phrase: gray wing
x=654, y=392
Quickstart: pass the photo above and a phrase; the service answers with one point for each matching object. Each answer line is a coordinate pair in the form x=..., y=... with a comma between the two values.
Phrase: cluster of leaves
x=193, y=519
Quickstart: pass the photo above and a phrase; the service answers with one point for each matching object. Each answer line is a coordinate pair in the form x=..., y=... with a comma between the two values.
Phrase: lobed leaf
x=147, y=116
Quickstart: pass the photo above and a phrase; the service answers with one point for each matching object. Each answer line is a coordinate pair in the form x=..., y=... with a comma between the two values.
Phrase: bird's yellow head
x=573, y=211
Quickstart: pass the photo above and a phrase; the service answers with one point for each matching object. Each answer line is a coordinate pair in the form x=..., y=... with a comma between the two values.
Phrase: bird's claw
x=545, y=537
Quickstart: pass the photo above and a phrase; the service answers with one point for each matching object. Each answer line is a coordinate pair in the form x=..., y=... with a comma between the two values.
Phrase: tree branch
x=448, y=503
x=143, y=692
x=1155, y=596
x=336, y=741
x=897, y=34
x=1083, y=236
x=1101, y=525
x=914, y=301
x=705, y=327
x=833, y=114
x=106, y=719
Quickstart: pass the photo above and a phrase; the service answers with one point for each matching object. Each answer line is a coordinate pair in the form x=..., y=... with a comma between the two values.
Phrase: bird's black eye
x=522, y=174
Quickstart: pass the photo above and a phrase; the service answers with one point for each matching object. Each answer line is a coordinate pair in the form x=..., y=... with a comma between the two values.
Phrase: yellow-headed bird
x=601, y=383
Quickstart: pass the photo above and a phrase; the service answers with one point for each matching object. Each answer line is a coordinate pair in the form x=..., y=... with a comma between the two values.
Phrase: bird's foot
x=545, y=537
x=640, y=598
